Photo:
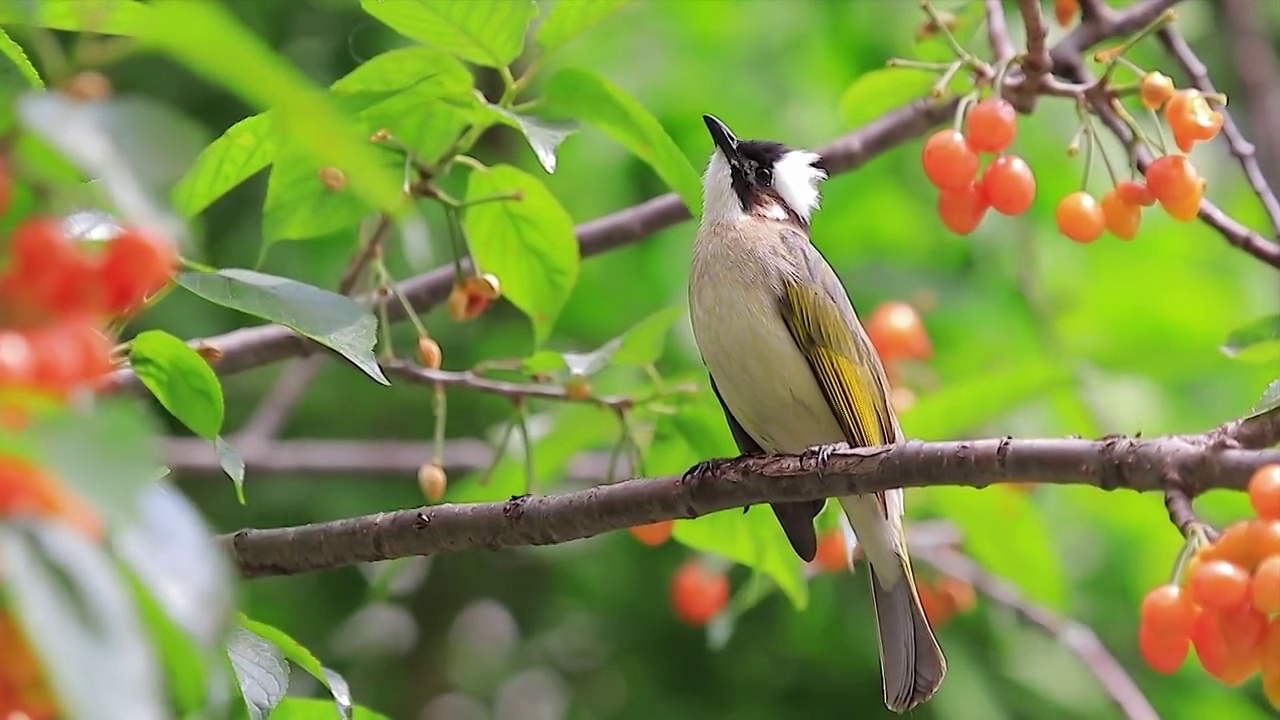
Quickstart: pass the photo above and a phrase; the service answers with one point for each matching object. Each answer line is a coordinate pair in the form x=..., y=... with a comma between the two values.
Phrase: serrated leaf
x=12, y=50
x=485, y=32
x=1259, y=341
x=209, y=40
x=180, y=379
x=417, y=68
x=244, y=149
x=232, y=464
x=333, y=320
x=875, y=93
x=544, y=136
x=113, y=455
x=261, y=672
x=644, y=343
x=590, y=98
x=528, y=243
x=302, y=657
x=294, y=708
x=77, y=613
x=134, y=147
x=568, y=19
x=298, y=203
x=1269, y=401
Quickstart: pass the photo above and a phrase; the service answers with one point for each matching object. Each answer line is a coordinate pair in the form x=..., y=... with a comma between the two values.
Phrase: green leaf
x=643, y=343
x=544, y=136
x=12, y=50
x=109, y=456
x=261, y=672
x=135, y=148
x=107, y=17
x=302, y=657
x=241, y=151
x=333, y=320
x=1259, y=341
x=544, y=362
x=180, y=379
x=485, y=32
x=78, y=615
x=958, y=408
x=298, y=203
x=409, y=68
x=171, y=551
x=1021, y=550
x=232, y=464
x=588, y=97
x=212, y=43
x=528, y=243
x=570, y=18
x=427, y=97
x=875, y=93
x=1269, y=401
x=295, y=708
x=184, y=586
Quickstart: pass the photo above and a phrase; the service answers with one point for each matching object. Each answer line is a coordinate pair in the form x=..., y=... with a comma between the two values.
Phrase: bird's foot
x=816, y=458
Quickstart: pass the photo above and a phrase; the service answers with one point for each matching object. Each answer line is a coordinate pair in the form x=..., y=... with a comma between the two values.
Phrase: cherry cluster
x=1170, y=180
x=1227, y=602
x=59, y=296
x=951, y=162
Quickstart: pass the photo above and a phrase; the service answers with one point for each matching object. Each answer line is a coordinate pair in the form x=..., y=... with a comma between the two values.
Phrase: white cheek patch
x=719, y=201
x=796, y=180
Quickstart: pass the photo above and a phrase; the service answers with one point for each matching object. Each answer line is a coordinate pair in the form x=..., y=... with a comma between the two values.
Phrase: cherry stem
x=385, y=280
x=940, y=86
x=457, y=240
x=909, y=64
x=1165, y=18
x=530, y=476
x=441, y=412
x=499, y=451
x=1160, y=136
x=941, y=24
x=1001, y=70
x=963, y=108
x=1102, y=152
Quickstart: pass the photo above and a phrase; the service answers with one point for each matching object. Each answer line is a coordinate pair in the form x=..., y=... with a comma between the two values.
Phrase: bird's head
x=758, y=178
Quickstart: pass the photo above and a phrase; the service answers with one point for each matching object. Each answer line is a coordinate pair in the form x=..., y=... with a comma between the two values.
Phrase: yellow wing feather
x=851, y=384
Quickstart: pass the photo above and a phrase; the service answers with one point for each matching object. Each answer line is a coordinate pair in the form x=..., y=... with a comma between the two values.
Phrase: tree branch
x=1112, y=463
x=1259, y=71
x=1076, y=637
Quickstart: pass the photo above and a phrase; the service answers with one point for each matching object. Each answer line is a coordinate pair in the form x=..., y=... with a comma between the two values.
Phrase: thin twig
x=998, y=32
x=274, y=409
x=1258, y=66
x=1080, y=639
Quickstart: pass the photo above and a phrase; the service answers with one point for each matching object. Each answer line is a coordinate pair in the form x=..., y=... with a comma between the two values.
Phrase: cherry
x=898, y=333
x=1164, y=653
x=1171, y=177
x=831, y=555
x=991, y=125
x=1219, y=584
x=698, y=593
x=1156, y=89
x=1191, y=119
x=1264, y=492
x=429, y=353
x=134, y=266
x=1080, y=217
x=1167, y=610
x=1265, y=585
x=653, y=534
x=948, y=161
x=1135, y=193
x=962, y=210
x=1009, y=185
x=1121, y=218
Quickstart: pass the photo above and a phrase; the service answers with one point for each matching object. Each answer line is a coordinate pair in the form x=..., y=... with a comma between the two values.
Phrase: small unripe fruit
x=578, y=389
x=457, y=303
x=88, y=86
x=432, y=481
x=1156, y=89
x=429, y=353
x=333, y=178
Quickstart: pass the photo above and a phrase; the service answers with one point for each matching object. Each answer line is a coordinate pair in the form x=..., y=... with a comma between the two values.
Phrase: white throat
x=794, y=177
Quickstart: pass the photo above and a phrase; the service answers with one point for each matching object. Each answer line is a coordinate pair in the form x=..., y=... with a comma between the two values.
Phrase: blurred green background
x=1034, y=336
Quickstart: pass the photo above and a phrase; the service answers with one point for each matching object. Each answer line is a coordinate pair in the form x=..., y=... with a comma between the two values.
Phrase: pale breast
x=764, y=379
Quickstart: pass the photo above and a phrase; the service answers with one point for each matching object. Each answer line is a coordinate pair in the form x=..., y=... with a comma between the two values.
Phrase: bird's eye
x=764, y=176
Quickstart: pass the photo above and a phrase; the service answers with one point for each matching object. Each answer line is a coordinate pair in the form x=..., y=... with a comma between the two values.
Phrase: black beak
x=723, y=137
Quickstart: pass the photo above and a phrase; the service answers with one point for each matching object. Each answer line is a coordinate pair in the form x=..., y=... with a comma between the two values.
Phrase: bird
x=793, y=369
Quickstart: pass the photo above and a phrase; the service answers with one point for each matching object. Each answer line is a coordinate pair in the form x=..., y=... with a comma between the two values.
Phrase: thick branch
x=1112, y=463
x=1076, y=637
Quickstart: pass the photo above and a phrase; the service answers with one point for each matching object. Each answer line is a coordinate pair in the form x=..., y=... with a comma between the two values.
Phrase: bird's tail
x=910, y=658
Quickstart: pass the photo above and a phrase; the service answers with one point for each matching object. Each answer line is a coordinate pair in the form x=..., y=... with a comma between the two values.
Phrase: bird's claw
x=701, y=470
x=817, y=458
